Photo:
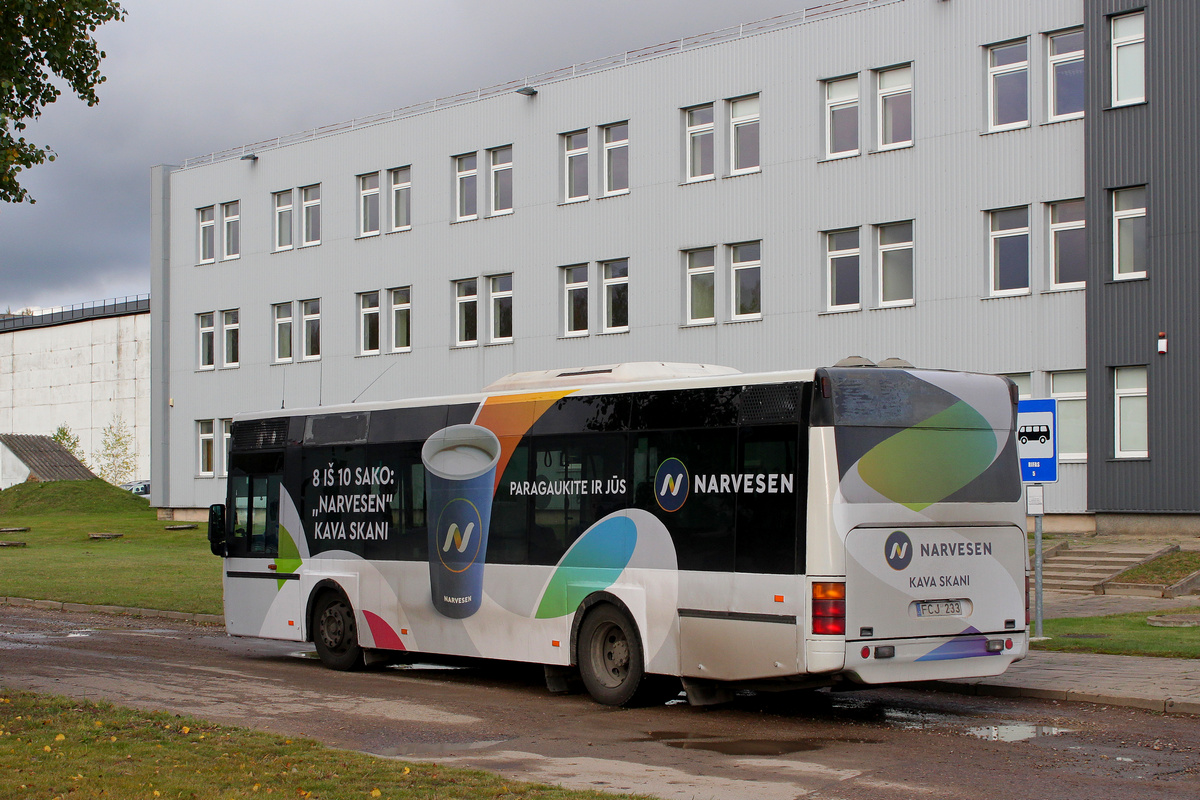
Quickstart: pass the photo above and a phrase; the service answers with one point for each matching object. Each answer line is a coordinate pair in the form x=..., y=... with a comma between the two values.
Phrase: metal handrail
x=113, y=307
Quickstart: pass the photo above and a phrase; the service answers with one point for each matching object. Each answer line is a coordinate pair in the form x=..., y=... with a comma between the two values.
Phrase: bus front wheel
x=335, y=633
x=610, y=656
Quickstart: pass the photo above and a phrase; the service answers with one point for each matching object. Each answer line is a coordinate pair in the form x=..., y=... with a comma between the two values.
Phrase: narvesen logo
x=459, y=540
x=898, y=550
x=671, y=485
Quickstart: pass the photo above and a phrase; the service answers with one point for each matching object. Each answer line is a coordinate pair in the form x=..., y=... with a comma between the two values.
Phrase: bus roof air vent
x=605, y=373
x=855, y=361
x=896, y=363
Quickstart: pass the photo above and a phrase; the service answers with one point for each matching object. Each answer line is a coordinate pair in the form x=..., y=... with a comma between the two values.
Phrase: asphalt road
x=878, y=744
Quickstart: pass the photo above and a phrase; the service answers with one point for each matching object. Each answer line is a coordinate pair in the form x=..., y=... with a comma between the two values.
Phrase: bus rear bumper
x=937, y=658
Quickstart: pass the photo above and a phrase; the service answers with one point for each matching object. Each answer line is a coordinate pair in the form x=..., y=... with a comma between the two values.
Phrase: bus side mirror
x=216, y=529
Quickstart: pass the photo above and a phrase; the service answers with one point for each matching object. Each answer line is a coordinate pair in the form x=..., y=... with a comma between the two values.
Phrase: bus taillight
x=829, y=609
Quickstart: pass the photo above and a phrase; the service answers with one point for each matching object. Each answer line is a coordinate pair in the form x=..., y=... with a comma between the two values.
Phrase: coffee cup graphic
x=460, y=473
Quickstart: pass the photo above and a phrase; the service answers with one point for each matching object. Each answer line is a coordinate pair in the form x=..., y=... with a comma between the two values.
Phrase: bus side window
x=408, y=509
x=508, y=531
x=767, y=533
x=239, y=511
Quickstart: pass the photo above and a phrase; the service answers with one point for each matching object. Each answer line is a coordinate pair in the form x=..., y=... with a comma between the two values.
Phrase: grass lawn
x=59, y=747
x=148, y=567
x=1119, y=634
x=1165, y=570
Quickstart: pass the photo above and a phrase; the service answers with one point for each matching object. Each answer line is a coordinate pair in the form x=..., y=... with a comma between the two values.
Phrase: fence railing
x=114, y=307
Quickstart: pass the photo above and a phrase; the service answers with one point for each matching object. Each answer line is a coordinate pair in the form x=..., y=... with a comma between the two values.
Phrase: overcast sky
x=186, y=79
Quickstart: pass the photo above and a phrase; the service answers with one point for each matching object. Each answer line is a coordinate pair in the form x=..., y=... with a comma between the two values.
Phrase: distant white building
x=84, y=366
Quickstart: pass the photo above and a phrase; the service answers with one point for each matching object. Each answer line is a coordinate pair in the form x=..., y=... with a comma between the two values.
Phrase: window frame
x=737, y=267
x=614, y=148
x=1130, y=393
x=466, y=189
x=401, y=305
x=1061, y=227
x=994, y=236
x=206, y=455
x=310, y=215
x=570, y=288
x=576, y=155
x=231, y=328
x=1117, y=218
x=895, y=247
x=1070, y=396
x=834, y=105
x=400, y=179
x=310, y=326
x=496, y=300
x=231, y=230
x=693, y=271
x=206, y=340
x=694, y=131
x=736, y=124
x=279, y=323
x=610, y=285
x=1121, y=43
x=995, y=71
x=882, y=95
x=226, y=444
x=1053, y=61
x=368, y=205
x=832, y=255
x=283, y=220
x=368, y=316
x=206, y=245
x=498, y=170
x=461, y=302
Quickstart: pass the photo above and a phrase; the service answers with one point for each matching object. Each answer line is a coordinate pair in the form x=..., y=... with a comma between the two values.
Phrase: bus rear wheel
x=611, y=662
x=335, y=633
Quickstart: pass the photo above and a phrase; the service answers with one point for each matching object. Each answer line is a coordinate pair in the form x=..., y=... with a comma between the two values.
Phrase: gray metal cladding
x=1152, y=144
x=945, y=184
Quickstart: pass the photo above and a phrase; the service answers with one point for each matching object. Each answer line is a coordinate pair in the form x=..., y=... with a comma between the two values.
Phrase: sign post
x=1037, y=448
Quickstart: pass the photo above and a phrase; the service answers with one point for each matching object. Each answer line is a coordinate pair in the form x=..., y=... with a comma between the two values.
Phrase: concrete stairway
x=1084, y=568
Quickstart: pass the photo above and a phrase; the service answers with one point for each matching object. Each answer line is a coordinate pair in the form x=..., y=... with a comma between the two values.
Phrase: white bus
x=638, y=524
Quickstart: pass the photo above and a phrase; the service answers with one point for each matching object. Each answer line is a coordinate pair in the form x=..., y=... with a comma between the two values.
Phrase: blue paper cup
x=460, y=473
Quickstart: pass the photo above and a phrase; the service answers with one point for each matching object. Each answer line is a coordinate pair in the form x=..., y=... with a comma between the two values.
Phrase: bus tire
x=610, y=656
x=335, y=633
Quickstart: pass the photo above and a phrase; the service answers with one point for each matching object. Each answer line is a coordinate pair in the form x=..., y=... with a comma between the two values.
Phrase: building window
x=1067, y=82
x=207, y=354
x=231, y=332
x=896, y=264
x=466, y=311
x=1068, y=244
x=283, y=220
x=575, y=300
x=1008, y=86
x=616, y=158
x=575, y=166
x=1009, y=257
x=1129, y=233
x=500, y=291
x=206, y=447
x=895, y=108
x=226, y=443
x=842, y=257
x=283, y=332
x=743, y=135
x=402, y=319
x=841, y=118
x=502, y=188
x=368, y=323
x=1024, y=382
x=1129, y=59
x=465, y=191
x=747, y=280
x=699, y=144
x=310, y=196
x=1132, y=434
x=616, y=296
x=232, y=220
x=701, y=285
x=401, y=205
x=311, y=320
x=368, y=204
x=1070, y=389
x=207, y=235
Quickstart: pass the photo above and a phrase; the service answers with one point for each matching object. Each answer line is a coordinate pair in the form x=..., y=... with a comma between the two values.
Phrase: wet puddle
x=1015, y=731
x=744, y=747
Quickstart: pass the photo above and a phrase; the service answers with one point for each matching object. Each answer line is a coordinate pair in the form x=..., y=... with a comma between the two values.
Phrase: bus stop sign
x=1037, y=440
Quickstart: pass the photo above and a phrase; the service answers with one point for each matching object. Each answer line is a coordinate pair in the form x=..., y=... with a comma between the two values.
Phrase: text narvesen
x=375, y=485
x=948, y=550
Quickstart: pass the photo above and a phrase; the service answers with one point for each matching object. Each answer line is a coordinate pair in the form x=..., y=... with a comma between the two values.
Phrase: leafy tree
x=116, y=460
x=41, y=39
x=63, y=436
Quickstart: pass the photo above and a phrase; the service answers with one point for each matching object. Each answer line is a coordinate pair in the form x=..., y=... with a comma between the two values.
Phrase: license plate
x=940, y=608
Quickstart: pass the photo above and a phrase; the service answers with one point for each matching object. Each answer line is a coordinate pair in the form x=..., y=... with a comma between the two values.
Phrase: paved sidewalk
x=1170, y=685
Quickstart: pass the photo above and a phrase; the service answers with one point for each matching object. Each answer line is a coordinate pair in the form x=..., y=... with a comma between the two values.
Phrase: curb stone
x=83, y=608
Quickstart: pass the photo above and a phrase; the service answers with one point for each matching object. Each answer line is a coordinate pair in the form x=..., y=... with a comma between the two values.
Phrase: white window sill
x=367, y=354
x=887, y=148
x=457, y=220
x=614, y=330
x=896, y=304
x=206, y=369
x=1057, y=120
x=401, y=230
x=1127, y=104
x=570, y=201
x=737, y=173
x=1007, y=294
x=499, y=342
x=371, y=235
x=617, y=193
x=310, y=244
x=699, y=323
x=747, y=318
x=839, y=310
x=283, y=249
x=699, y=179
x=231, y=366
x=1021, y=127
x=206, y=263
x=1066, y=287
x=464, y=345
x=233, y=257
x=399, y=350
x=839, y=156
x=204, y=475
x=1129, y=276
x=502, y=213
